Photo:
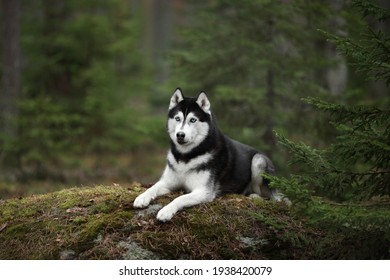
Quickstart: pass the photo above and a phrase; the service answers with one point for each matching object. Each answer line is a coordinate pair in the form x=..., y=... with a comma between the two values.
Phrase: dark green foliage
x=253, y=58
x=50, y=129
x=347, y=184
x=82, y=70
x=370, y=8
x=83, y=53
x=357, y=165
x=369, y=54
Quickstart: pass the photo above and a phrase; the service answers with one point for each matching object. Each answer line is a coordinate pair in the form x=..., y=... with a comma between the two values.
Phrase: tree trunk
x=269, y=137
x=11, y=79
x=158, y=34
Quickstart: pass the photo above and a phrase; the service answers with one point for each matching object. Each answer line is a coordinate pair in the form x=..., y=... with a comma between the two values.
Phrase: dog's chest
x=192, y=166
x=191, y=174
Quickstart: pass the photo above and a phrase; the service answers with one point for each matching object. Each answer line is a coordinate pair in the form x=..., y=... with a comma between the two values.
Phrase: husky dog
x=203, y=161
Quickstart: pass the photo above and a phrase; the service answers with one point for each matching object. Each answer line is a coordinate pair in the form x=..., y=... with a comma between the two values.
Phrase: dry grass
x=91, y=223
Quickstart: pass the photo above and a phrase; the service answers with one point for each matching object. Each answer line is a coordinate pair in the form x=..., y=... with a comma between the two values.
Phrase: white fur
x=258, y=167
x=180, y=175
x=176, y=98
x=204, y=102
x=185, y=175
x=182, y=170
x=195, y=133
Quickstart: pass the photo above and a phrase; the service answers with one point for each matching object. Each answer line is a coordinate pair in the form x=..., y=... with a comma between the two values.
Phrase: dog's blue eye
x=193, y=120
x=177, y=119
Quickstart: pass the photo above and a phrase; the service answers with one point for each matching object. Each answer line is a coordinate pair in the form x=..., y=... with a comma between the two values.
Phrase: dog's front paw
x=166, y=213
x=142, y=201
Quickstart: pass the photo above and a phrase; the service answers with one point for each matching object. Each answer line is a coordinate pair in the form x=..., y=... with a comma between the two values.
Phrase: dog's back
x=233, y=167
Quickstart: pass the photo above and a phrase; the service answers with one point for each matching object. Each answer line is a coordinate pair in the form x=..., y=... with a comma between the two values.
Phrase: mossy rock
x=100, y=223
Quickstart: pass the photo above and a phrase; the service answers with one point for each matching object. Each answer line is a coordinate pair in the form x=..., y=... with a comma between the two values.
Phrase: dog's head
x=188, y=120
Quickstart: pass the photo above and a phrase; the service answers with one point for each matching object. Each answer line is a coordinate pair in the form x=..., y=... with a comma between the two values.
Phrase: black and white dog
x=203, y=161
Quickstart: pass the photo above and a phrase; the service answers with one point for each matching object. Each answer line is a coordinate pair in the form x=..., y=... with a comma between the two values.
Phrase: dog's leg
x=259, y=165
x=258, y=185
x=198, y=196
x=165, y=185
x=158, y=189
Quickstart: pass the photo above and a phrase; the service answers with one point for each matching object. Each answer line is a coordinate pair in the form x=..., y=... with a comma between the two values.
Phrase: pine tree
x=81, y=68
x=252, y=57
x=347, y=185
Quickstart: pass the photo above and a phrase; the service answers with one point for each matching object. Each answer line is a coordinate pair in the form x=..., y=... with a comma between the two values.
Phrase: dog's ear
x=204, y=102
x=176, y=98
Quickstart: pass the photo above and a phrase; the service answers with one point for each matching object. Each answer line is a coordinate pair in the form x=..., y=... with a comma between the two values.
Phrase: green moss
x=90, y=223
x=41, y=226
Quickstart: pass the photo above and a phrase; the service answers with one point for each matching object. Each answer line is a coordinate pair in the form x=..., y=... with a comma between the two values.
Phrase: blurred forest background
x=85, y=85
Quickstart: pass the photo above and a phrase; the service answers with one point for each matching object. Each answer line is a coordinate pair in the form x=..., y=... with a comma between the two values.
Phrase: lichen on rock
x=133, y=251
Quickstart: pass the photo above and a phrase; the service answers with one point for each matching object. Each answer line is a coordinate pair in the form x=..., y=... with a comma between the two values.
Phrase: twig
x=3, y=226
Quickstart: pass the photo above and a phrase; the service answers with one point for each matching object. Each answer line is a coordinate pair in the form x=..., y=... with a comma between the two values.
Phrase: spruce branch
x=369, y=8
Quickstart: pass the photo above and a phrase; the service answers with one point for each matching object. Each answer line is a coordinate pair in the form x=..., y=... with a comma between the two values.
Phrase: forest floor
x=100, y=223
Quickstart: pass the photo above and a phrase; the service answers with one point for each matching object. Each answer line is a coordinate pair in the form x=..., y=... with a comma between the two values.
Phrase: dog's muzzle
x=180, y=136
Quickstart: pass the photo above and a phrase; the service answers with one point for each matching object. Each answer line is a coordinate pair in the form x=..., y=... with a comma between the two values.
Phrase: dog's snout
x=180, y=135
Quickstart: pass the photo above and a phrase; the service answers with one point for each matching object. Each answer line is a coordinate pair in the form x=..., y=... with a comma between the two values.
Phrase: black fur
x=231, y=161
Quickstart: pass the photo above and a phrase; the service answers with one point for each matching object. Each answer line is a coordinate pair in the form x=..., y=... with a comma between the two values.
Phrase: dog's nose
x=180, y=136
